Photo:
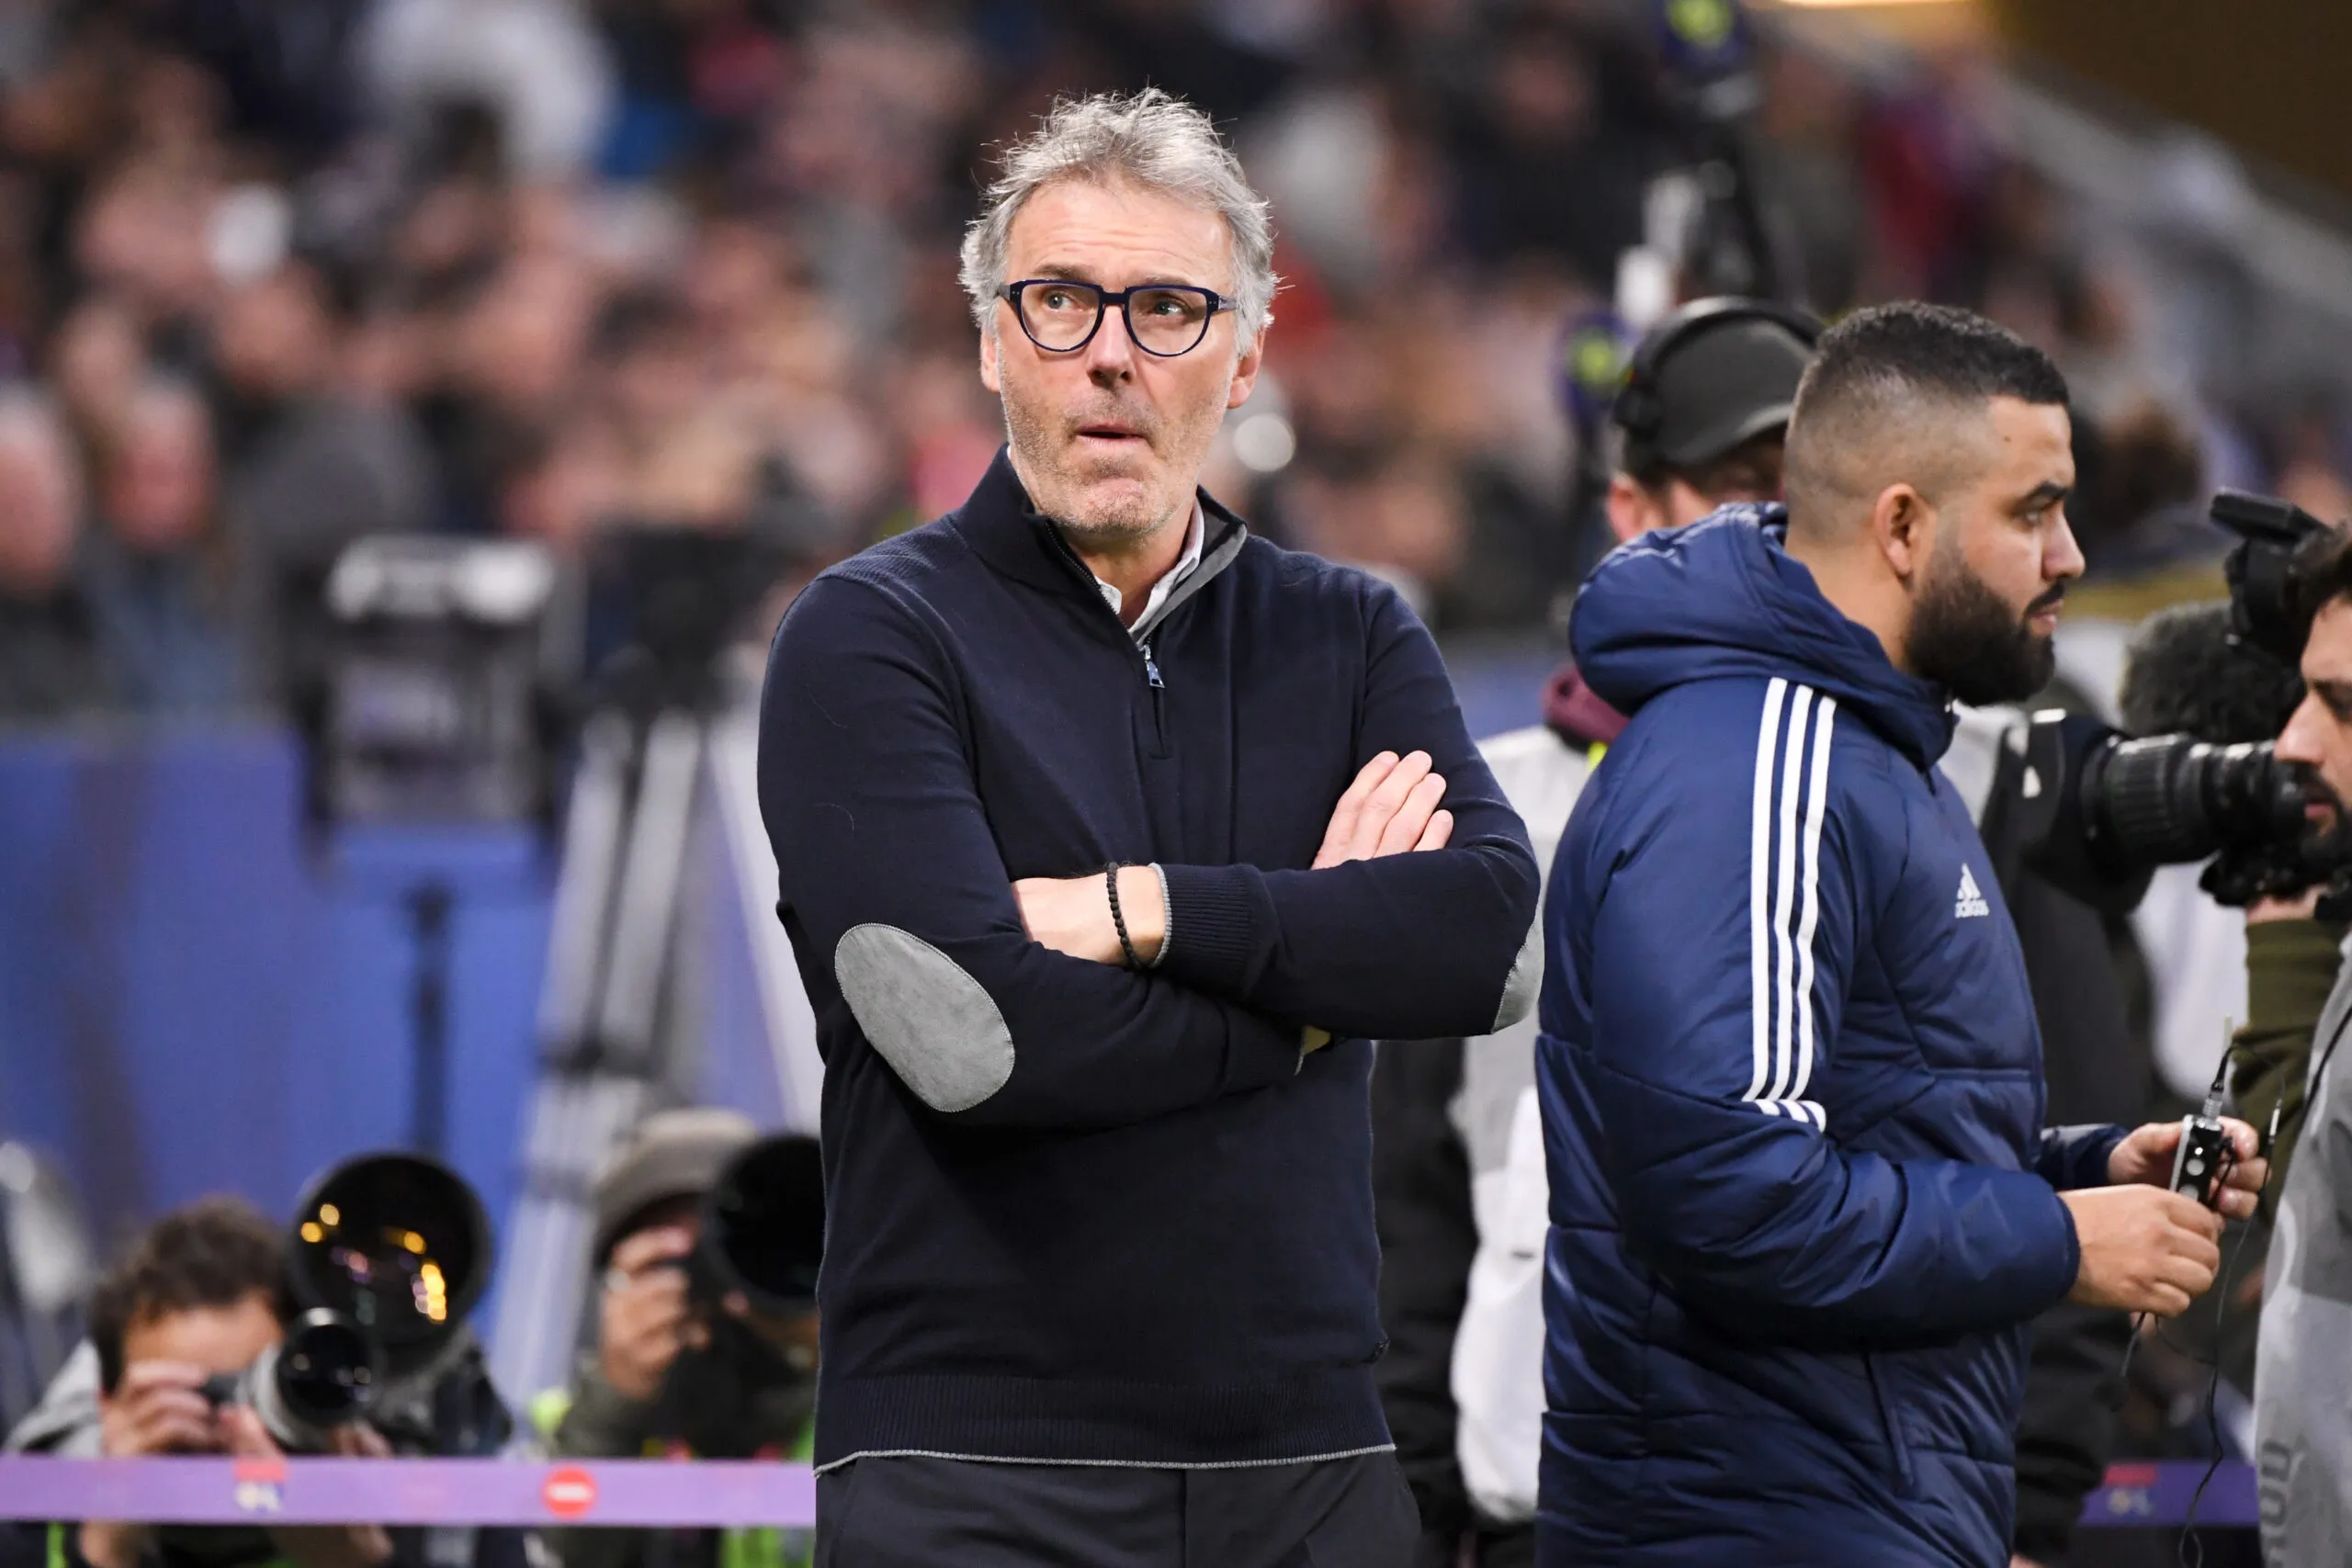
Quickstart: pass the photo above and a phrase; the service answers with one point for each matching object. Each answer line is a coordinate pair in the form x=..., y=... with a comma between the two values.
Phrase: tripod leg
x=577, y=1119
x=646, y=909
x=592, y=832
x=575, y=1113
x=428, y=1113
x=750, y=872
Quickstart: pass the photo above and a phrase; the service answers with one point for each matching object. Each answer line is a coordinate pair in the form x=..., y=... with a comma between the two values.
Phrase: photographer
x=202, y=1293
x=669, y=1377
x=2303, y=1365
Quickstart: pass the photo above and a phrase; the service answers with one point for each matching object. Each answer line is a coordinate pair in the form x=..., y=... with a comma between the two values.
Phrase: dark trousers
x=1495, y=1546
x=939, y=1513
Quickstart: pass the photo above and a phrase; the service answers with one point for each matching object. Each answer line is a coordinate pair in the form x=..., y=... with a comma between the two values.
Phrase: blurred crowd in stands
x=274, y=273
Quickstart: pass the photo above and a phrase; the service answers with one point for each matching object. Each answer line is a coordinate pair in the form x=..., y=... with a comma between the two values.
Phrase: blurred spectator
x=97, y=360
x=308, y=467
x=49, y=663
x=2311, y=470
x=158, y=565
x=536, y=266
x=1551, y=157
x=535, y=65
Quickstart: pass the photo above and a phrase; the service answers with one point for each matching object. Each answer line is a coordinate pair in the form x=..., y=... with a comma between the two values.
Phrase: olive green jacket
x=2290, y=968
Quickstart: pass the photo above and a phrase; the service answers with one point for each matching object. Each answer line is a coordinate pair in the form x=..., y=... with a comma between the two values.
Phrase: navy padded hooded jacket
x=1802, y=1206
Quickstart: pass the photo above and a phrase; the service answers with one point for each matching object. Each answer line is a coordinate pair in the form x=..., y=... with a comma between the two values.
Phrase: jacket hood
x=1724, y=599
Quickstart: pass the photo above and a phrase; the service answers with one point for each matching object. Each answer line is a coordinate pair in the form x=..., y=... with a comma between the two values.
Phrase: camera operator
x=2188, y=673
x=1458, y=1185
x=667, y=1378
x=2303, y=1363
x=202, y=1293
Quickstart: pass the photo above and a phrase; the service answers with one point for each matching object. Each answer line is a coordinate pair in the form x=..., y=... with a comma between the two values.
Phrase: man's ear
x=1245, y=369
x=1632, y=512
x=987, y=362
x=1903, y=526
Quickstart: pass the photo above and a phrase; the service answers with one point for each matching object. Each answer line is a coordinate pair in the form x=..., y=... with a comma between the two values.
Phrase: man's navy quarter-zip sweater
x=1078, y=1213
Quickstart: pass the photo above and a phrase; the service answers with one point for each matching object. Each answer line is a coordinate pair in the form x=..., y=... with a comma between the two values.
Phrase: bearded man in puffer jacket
x=1803, y=1205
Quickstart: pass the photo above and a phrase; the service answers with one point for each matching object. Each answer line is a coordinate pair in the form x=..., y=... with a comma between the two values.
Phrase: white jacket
x=1499, y=1349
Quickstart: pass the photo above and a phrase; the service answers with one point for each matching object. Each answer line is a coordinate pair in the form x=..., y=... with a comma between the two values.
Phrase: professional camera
x=322, y=1376
x=399, y=1245
x=429, y=703
x=2127, y=807
x=389, y=1252
x=2262, y=567
x=763, y=1228
x=762, y=1238
x=2116, y=808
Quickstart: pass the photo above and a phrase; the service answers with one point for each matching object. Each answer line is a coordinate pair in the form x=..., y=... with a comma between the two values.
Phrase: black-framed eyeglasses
x=1163, y=318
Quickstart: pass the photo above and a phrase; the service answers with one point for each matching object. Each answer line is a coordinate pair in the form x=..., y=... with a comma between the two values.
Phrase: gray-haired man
x=1108, y=838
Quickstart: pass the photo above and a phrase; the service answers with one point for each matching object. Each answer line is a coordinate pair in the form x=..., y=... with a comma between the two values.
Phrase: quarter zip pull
x=1159, y=701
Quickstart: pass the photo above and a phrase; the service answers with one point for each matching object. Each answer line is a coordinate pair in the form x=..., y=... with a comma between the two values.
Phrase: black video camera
x=2273, y=535
x=2118, y=809
x=2115, y=808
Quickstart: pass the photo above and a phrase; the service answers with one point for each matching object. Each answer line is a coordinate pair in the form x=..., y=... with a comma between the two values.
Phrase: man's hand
x=2147, y=1155
x=645, y=1320
x=1072, y=914
x=2301, y=906
x=157, y=1408
x=2144, y=1248
x=317, y=1546
x=1390, y=808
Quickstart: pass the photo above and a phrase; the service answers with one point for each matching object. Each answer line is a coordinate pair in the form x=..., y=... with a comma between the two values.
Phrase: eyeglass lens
x=1058, y=316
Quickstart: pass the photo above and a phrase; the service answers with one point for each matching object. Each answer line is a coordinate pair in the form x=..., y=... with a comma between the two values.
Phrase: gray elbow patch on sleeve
x=937, y=1027
x=1525, y=979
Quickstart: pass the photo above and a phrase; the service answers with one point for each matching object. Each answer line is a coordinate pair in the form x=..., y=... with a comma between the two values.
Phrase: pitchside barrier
x=719, y=1494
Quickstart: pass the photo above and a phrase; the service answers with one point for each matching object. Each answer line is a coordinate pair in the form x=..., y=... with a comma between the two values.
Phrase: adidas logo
x=1971, y=899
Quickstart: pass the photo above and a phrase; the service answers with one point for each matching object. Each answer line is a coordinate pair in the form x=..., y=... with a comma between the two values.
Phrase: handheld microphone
x=2203, y=1159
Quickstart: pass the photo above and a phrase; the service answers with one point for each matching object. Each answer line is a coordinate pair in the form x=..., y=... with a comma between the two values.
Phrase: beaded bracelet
x=1111, y=886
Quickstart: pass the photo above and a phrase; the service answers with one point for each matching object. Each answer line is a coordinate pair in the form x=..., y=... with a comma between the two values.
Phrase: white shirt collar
x=1195, y=536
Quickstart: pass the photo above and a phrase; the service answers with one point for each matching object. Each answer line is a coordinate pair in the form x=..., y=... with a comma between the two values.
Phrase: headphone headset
x=1638, y=410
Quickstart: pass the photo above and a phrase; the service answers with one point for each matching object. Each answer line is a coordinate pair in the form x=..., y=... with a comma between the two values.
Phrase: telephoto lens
x=325, y=1374
x=749, y=1389
x=398, y=1245
x=2168, y=799
x=764, y=1224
